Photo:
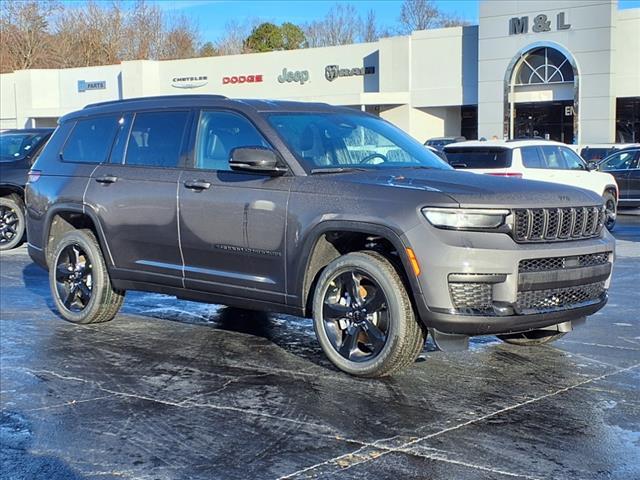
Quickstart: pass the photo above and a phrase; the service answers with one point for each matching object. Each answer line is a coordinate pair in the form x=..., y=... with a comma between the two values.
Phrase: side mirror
x=592, y=166
x=257, y=160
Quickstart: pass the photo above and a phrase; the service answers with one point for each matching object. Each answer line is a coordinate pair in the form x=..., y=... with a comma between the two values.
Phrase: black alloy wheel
x=12, y=224
x=79, y=280
x=363, y=316
x=610, y=211
x=356, y=315
x=74, y=278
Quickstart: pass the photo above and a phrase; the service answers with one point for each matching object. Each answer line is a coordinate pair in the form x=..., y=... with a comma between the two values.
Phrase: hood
x=477, y=190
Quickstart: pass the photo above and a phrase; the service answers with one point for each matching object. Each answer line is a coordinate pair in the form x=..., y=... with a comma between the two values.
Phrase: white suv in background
x=535, y=160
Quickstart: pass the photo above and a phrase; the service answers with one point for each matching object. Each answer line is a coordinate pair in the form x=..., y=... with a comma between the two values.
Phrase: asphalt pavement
x=180, y=390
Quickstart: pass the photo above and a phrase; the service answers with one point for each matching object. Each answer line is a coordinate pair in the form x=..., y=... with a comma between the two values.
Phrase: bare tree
x=418, y=15
x=451, y=20
x=232, y=41
x=24, y=29
x=181, y=40
x=340, y=26
x=369, y=28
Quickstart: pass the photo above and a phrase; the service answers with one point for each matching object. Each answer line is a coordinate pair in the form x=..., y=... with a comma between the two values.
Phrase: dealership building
x=566, y=70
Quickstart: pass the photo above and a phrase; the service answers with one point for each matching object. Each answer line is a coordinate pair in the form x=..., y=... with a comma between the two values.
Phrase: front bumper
x=514, y=298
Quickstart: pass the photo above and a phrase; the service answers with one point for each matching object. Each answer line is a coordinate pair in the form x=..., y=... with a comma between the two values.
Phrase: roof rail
x=159, y=97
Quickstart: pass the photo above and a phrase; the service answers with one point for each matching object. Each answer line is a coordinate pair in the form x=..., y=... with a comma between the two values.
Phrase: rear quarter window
x=484, y=157
x=91, y=140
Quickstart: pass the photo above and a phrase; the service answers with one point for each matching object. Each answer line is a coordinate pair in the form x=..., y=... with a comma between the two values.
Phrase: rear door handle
x=197, y=185
x=106, y=179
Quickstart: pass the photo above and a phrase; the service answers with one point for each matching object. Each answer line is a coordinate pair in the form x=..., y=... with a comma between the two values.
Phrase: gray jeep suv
x=310, y=210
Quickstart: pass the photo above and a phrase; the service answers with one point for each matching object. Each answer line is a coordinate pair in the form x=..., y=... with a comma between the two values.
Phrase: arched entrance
x=541, y=94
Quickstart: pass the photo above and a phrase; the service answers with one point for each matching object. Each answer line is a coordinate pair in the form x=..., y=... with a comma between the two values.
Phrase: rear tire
x=611, y=207
x=12, y=222
x=532, y=338
x=363, y=318
x=79, y=280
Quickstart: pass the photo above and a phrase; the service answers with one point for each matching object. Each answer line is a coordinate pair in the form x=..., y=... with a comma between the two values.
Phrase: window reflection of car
x=624, y=165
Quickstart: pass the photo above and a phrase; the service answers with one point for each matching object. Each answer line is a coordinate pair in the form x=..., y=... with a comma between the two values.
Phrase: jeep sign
x=300, y=77
x=541, y=23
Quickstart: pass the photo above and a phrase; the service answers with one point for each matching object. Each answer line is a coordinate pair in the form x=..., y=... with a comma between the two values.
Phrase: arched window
x=542, y=66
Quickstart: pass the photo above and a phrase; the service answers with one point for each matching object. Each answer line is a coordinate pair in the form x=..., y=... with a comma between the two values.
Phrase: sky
x=212, y=15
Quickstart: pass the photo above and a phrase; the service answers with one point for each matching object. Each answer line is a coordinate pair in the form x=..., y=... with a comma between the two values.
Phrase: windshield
x=16, y=146
x=479, y=158
x=325, y=141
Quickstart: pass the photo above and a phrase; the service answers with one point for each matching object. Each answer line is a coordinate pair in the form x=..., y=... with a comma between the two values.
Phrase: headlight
x=465, y=218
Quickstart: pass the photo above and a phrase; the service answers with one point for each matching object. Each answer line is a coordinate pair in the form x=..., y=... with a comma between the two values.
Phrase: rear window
x=479, y=157
x=595, y=154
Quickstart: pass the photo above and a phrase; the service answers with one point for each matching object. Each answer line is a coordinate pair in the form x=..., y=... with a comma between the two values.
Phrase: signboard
x=235, y=79
x=299, y=76
x=83, y=85
x=331, y=72
x=541, y=23
x=189, y=82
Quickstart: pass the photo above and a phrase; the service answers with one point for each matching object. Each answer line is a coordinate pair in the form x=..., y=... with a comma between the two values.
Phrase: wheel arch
x=69, y=216
x=613, y=189
x=331, y=239
x=7, y=189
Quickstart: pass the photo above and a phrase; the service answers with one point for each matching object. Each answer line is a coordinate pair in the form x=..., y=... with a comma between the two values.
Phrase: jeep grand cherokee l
x=311, y=210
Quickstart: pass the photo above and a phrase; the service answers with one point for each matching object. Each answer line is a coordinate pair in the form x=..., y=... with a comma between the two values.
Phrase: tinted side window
x=572, y=159
x=552, y=157
x=221, y=132
x=619, y=161
x=156, y=139
x=531, y=157
x=91, y=139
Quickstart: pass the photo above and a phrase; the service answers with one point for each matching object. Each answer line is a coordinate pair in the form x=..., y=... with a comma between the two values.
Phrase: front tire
x=611, y=208
x=363, y=318
x=12, y=222
x=532, y=338
x=79, y=280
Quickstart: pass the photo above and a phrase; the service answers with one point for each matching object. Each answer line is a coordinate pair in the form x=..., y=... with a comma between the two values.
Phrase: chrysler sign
x=189, y=82
x=331, y=72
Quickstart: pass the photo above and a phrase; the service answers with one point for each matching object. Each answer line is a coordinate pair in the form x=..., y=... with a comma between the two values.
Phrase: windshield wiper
x=338, y=170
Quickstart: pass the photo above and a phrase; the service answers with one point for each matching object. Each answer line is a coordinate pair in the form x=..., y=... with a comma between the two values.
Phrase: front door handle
x=106, y=179
x=197, y=185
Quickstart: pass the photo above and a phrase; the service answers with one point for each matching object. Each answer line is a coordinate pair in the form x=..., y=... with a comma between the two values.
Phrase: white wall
x=589, y=39
x=626, y=58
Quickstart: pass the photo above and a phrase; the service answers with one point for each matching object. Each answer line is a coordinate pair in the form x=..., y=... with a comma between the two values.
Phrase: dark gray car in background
x=311, y=210
x=18, y=150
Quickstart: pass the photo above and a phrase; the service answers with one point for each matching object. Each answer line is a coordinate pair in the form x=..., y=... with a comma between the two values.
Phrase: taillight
x=506, y=174
x=34, y=176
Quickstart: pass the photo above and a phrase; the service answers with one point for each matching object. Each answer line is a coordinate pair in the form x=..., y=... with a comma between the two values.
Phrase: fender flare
x=314, y=235
x=83, y=210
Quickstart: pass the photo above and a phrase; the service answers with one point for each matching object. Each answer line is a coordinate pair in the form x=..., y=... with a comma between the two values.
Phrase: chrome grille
x=556, y=224
x=476, y=296
x=559, y=263
x=558, y=298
